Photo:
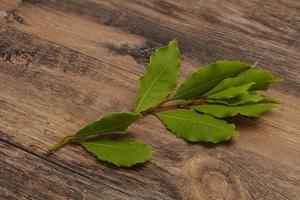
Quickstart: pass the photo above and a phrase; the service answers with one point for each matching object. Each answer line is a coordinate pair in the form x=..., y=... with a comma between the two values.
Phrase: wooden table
x=64, y=63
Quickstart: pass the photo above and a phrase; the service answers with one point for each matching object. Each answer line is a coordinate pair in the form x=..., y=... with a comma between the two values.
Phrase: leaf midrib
x=197, y=122
x=152, y=84
x=233, y=89
x=192, y=89
x=107, y=129
x=256, y=82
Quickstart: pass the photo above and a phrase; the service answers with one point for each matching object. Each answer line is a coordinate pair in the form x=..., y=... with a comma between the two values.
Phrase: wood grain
x=65, y=63
x=25, y=175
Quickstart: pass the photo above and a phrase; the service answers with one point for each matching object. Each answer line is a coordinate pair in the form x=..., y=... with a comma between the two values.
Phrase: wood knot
x=13, y=16
x=18, y=57
x=210, y=178
x=140, y=54
x=215, y=185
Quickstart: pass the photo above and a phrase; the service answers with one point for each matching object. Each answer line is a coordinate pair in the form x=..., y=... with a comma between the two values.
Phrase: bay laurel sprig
x=196, y=111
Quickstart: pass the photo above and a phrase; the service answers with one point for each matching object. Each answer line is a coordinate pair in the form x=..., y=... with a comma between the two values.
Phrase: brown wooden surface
x=64, y=63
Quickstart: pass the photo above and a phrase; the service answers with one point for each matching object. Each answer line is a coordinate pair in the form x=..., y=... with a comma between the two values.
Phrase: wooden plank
x=54, y=79
x=42, y=121
x=24, y=175
x=39, y=123
x=207, y=31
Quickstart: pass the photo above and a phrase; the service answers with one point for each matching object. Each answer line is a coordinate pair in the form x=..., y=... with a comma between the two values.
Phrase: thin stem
x=75, y=139
x=176, y=103
x=62, y=143
x=168, y=104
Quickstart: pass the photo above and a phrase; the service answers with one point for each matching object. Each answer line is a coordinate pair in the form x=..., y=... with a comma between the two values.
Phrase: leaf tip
x=174, y=41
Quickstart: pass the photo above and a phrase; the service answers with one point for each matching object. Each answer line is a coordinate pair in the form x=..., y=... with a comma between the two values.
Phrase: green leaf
x=113, y=122
x=207, y=77
x=268, y=100
x=262, y=79
x=123, y=153
x=246, y=98
x=232, y=92
x=160, y=77
x=110, y=123
x=222, y=111
x=195, y=127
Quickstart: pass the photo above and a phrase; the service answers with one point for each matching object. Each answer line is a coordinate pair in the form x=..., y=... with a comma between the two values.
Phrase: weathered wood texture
x=64, y=63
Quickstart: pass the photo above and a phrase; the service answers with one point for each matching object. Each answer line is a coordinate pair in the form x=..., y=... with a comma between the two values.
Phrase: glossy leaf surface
x=231, y=92
x=222, y=111
x=196, y=127
x=112, y=122
x=160, y=77
x=207, y=77
x=123, y=153
x=246, y=98
x=261, y=78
